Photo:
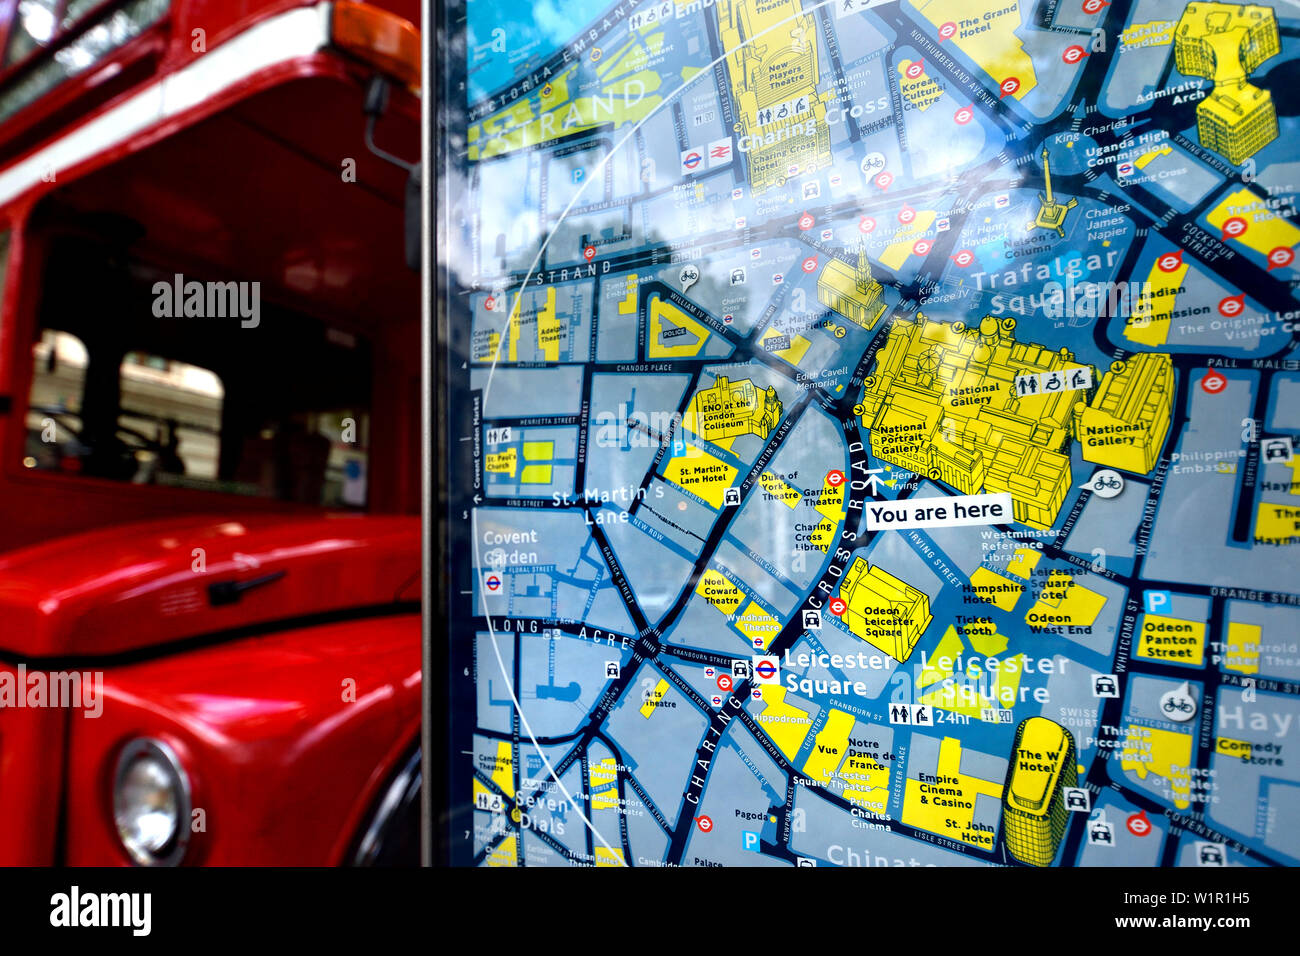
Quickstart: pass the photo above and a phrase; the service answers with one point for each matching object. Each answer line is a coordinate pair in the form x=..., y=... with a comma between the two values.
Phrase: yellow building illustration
x=887, y=613
x=1237, y=124
x=852, y=292
x=730, y=409
x=1226, y=42
x=1034, y=814
x=1126, y=424
x=780, y=116
x=942, y=403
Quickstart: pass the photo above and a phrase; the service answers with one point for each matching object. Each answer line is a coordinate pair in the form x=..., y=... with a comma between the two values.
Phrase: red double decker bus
x=209, y=432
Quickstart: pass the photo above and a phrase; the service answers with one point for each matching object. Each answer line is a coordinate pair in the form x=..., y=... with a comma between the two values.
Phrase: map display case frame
x=867, y=433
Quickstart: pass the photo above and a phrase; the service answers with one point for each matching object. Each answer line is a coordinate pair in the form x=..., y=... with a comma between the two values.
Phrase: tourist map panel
x=872, y=433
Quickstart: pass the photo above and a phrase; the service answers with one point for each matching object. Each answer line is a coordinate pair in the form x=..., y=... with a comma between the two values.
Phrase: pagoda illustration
x=1051, y=214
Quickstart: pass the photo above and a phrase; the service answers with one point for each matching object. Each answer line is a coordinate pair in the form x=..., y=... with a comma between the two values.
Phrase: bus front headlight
x=151, y=803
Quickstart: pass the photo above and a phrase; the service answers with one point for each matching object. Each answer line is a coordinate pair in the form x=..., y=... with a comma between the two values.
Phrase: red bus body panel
x=284, y=758
x=287, y=729
x=291, y=706
x=135, y=586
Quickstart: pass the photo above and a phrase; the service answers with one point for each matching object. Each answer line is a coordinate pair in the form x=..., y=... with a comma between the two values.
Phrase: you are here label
x=942, y=512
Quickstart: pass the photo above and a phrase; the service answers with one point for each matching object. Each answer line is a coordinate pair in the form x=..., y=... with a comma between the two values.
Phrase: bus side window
x=54, y=422
x=170, y=415
x=315, y=457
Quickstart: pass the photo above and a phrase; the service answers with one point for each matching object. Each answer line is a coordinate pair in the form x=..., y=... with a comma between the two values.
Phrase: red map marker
x=884, y=179
x=835, y=478
x=1170, y=261
x=922, y=247
x=866, y=224
x=1281, y=257
x=1073, y=54
x=915, y=70
x=1095, y=6
x=1213, y=383
x=589, y=253
x=963, y=258
x=1008, y=86
x=1234, y=227
x=810, y=264
x=704, y=823
x=724, y=682
x=946, y=30
x=963, y=115
x=1233, y=305
x=806, y=221
x=906, y=215
x=1138, y=824
x=838, y=606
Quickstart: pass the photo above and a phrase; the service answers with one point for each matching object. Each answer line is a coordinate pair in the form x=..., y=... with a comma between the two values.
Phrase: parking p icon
x=1156, y=602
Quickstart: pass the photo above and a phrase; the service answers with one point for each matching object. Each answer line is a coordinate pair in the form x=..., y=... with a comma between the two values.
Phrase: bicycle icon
x=1106, y=483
